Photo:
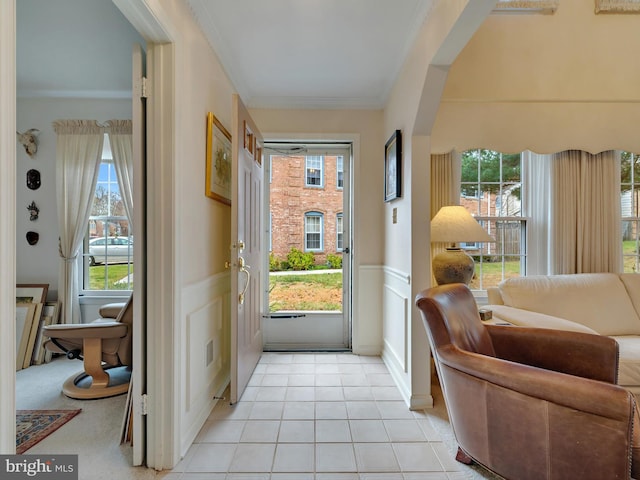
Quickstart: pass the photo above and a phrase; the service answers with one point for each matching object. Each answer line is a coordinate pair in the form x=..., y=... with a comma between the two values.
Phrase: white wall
x=412, y=108
x=40, y=263
x=546, y=83
x=201, y=230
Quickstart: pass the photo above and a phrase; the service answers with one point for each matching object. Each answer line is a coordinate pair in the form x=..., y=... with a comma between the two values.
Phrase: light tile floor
x=320, y=417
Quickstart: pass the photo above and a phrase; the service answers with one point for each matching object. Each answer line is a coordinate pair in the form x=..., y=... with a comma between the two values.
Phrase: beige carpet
x=94, y=435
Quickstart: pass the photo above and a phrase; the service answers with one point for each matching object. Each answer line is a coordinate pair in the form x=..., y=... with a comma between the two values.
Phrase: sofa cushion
x=631, y=282
x=525, y=318
x=629, y=367
x=597, y=300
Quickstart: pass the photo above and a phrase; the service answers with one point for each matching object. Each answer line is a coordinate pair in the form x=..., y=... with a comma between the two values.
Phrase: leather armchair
x=529, y=403
x=105, y=348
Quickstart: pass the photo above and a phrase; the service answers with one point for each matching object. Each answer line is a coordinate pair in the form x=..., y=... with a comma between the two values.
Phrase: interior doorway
x=307, y=295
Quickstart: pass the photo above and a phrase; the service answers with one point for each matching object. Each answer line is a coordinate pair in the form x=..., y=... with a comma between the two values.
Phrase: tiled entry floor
x=325, y=416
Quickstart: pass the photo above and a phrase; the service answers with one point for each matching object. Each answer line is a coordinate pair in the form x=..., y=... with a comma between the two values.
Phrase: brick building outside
x=306, y=205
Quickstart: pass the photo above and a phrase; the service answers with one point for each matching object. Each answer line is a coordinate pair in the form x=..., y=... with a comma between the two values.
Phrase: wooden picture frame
x=25, y=313
x=218, y=165
x=32, y=292
x=393, y=167
x=50, y=314
x=33, y=334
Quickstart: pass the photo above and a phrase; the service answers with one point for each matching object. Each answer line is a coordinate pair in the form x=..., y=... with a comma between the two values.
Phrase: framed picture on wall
x=393, y=167
x=218, y=169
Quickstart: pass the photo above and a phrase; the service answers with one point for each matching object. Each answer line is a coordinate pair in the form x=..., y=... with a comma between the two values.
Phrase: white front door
x=246, y=248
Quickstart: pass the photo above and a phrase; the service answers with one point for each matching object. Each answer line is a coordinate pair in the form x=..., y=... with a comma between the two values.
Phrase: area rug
x=32, y=426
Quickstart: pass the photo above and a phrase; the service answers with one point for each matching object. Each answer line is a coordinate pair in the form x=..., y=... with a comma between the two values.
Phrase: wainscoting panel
x=367, y=315
x=205, y=367
x=396, y=327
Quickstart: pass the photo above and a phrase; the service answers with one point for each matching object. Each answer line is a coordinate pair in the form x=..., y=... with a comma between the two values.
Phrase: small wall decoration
x=32, y=238
x=34, y=211
x=393, y=167
x=29, y=141
x=218, y=169
x=33, y=179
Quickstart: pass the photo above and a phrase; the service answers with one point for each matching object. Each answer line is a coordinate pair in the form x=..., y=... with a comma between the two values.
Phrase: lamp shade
x=453, y=224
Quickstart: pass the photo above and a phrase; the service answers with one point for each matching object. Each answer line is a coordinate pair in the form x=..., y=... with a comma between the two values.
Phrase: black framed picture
x=393, y=167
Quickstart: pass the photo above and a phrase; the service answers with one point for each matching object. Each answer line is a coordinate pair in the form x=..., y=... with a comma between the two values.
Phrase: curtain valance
x=119, y=127
x=620, y=6
x=537, y=5
x=92, y=127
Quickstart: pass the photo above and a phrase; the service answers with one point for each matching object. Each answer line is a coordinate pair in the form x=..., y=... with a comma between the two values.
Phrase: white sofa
x=598, y=303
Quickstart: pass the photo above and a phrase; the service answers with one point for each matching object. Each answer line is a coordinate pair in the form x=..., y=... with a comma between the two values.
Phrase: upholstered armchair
x=104, y=346
x=529, y=403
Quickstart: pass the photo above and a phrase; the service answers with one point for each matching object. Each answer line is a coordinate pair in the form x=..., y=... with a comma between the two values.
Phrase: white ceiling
x=278, y=53
x=312, y=53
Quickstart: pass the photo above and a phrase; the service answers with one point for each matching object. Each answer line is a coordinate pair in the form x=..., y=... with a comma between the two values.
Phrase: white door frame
x=162, y=435
x=7, y=225
x=352, y=270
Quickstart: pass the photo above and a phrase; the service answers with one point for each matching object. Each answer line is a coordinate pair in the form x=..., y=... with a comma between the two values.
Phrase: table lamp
x=454, y=224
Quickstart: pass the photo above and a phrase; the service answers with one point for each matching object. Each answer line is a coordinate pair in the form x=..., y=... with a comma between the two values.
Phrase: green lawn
x=492, y=273
x=113, y=273
x=629, y=249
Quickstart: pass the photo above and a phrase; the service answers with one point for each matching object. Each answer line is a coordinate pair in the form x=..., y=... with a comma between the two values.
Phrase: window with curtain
x=491, y=190
x=313, y=231
x=629, y=205
x=340, y=171
x=108, y=244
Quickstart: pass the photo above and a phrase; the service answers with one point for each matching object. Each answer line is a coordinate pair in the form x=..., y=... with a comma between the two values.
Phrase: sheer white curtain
x=445, y=186
x=585, y=228
x=78, y=156
x=120, y=138
x=536, y=174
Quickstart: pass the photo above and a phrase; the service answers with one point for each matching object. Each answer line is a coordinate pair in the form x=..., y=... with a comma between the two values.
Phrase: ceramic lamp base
x=453, y=266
